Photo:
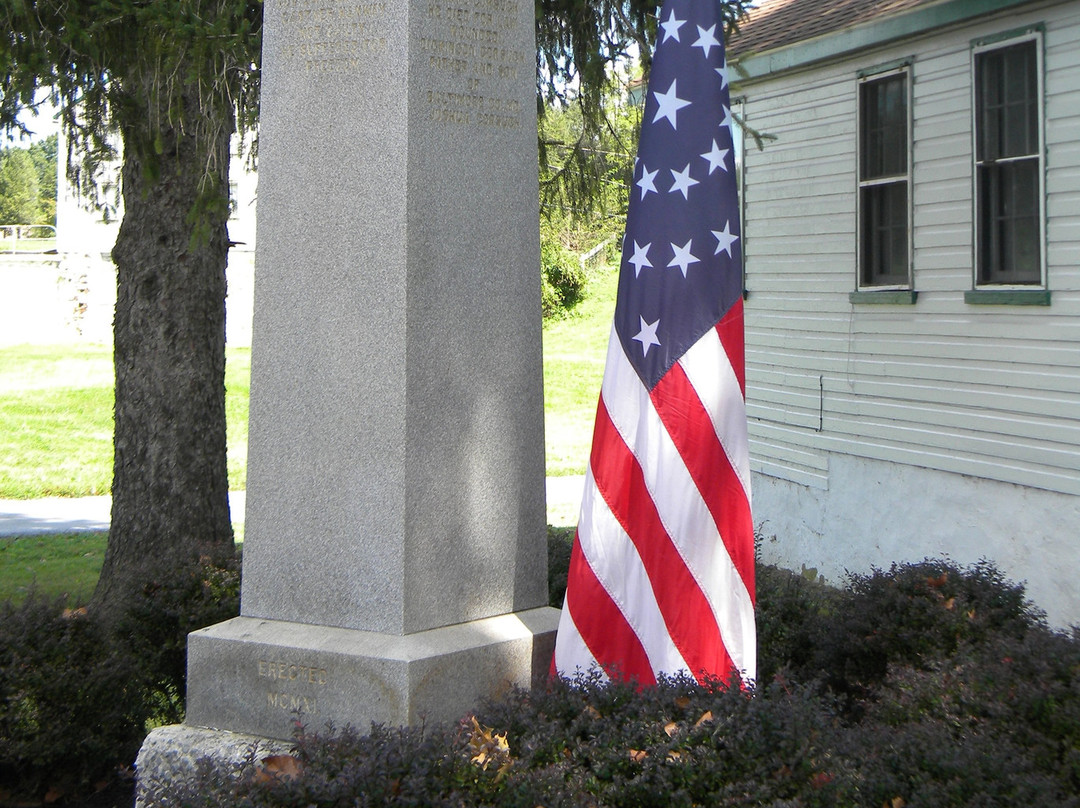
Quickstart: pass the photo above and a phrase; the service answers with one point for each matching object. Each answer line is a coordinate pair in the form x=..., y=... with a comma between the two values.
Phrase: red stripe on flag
x=602, y=626
x=687, y=614
x=691, y=429
x=733, y=338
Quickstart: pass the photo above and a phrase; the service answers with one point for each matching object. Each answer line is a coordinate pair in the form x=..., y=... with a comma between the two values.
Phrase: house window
x=1008, y=163
x=884, y=181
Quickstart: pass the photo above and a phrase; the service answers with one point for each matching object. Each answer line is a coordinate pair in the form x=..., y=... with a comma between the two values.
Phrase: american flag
x=662, y=569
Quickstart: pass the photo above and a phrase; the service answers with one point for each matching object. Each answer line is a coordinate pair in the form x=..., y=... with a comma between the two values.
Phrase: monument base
x=172, y=757
x=261, y=677
x=251, y=680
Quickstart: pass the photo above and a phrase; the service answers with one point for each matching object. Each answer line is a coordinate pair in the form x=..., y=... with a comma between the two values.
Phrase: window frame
x=866, y=290
x=1038, y=287
x=738, y=145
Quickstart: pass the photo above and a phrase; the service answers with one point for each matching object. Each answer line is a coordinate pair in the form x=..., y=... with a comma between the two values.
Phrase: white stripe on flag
x=683, y=512
x=707, y=367
x=572, y=655
x=616, y=564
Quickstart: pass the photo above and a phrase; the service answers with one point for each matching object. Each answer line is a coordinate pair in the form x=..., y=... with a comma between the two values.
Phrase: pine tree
x=170, y=77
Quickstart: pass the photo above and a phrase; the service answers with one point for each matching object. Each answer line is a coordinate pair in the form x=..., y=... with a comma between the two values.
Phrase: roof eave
x=838, y=44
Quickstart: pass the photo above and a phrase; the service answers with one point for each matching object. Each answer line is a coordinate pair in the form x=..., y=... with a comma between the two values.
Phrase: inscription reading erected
x=294, y=677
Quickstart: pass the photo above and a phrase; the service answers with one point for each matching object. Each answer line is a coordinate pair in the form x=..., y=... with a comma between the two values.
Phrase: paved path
x=66, y=515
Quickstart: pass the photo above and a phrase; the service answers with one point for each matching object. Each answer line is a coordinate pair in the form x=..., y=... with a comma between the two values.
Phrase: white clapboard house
x=912, y=259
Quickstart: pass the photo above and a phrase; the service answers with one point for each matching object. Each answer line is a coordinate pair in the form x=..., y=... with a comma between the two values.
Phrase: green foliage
x=72, y=705
x=911, y=614
x=586, y=170
x=19, y=197
x=563, y=278
x=140, y=69
x=76, y=697
x=155, y=628
x=43, y=153
x=976, y=707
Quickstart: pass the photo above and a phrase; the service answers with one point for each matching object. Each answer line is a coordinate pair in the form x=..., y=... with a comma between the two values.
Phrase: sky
x=42, y=125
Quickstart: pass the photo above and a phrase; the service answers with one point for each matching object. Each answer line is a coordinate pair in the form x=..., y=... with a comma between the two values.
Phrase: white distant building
x=85, y=238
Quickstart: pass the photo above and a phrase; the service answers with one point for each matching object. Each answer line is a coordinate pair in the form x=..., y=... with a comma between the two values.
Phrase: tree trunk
x=170, y=482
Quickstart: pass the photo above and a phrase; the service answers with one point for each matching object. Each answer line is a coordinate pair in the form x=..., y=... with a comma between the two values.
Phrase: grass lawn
x=56, y=405
x=574, y=352
x=56, y=420
x=27, y=245
x=55, y=565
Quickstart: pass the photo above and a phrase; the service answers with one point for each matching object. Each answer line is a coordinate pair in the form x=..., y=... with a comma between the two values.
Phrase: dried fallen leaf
x=949, y=604
x=938, y=582
x=638, y=755
x=278, y=767
x=682, y=702
x=52, y=795
x=592, y=711
x=706, y=717
x=671, y=728
x=68, y=614
x=487, y=747
x=673, y=756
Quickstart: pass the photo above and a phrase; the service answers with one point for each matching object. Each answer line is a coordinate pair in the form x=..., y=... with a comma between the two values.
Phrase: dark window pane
x=883, y=127
x=1007, y=102
x=884, y=258
x=1008, y=200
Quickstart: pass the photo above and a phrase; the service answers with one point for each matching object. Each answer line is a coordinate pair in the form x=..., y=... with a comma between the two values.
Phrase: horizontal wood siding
x=985, y=390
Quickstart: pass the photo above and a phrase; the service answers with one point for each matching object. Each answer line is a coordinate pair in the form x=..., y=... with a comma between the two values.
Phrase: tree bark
x=170, y=487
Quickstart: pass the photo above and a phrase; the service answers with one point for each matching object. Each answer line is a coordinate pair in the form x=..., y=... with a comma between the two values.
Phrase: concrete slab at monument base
x=173, y=755
x=259, y=677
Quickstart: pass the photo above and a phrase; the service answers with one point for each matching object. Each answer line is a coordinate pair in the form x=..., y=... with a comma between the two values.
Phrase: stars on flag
x=669, y=105
x=728, y=121
x=717, y=157
x=646, y=183
x=725, y=240
x=640, y=258
x=706, y=39
x=723, y=73
x=647, y=335
x=682, y=182
x=685, y=187
x=683, y=257
x=671, y=27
